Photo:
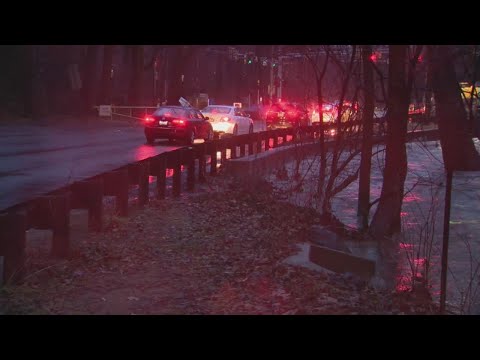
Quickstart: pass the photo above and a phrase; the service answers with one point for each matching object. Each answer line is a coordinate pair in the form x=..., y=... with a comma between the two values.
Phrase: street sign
x=105, y=110
x=184, y=102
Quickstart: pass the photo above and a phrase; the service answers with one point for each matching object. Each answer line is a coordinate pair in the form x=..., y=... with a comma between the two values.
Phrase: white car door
x=247, y=121
x=241, y=121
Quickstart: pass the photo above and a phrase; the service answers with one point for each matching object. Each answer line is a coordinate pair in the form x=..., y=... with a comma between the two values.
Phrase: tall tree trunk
x=320, y=75
x=219, y=79
x=428, y=83
x=27, y=79
x=179, y=60
x=386, y=220
x=90, y=79
x=33, y=84
x=367, y=120
x=458, y=150
x=339, y=137
x=136, y=81
x=105, y=96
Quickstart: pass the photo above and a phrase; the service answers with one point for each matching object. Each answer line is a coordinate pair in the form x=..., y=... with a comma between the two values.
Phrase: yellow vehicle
x=470, y=95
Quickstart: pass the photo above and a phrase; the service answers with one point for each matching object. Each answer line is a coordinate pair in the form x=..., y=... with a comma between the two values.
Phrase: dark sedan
x=177, y=123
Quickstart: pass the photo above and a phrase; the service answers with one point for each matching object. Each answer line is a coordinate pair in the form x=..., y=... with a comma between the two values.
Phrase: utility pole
x=155, y=78
x=258, y=92
x=166, y=56
x=280, y=77
x=270, y=92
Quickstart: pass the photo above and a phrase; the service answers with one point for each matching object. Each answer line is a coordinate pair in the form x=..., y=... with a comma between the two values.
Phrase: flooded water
x=414, y=256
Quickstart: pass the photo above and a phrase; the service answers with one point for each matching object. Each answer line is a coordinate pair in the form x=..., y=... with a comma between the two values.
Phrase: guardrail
x=52, y=210
x=131, y=112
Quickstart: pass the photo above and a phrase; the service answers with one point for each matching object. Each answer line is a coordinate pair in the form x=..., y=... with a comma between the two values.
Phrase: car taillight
x=178, y=122
x=149, y=119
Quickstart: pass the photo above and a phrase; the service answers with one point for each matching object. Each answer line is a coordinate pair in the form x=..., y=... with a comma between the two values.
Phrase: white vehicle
x=228, y=119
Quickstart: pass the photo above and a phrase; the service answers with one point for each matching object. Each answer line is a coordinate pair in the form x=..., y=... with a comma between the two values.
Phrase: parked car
x=228, y=120
x=285, y=115
x=330, y=112
x=256, y=112
x=177, y=123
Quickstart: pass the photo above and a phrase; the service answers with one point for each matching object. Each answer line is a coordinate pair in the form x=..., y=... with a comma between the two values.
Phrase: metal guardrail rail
x=131, y=112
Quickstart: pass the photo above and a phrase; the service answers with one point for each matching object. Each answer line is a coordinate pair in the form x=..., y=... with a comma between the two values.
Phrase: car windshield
x=216, y=110
x=171, y=112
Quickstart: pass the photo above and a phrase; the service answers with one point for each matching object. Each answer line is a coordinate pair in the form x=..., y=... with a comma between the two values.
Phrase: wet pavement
x=37, y=159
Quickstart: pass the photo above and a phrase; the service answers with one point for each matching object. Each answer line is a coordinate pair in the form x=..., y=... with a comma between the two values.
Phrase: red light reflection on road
x=144, y=152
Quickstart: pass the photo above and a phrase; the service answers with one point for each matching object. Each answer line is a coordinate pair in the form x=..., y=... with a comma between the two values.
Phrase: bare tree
x=458, y=150
x=106, y=84
x=320, y=71
x=179, y=59
x=136, y=80
x=89, y=78
x=386, y=220
x=367, y=134
x=337, y=165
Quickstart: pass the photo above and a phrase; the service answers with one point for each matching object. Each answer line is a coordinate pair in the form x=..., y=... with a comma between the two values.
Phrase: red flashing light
x=149, y=119
x=420, y=59
x=374, y=58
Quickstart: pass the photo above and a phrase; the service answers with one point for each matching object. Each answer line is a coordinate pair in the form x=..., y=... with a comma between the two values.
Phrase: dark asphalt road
x=35, y=160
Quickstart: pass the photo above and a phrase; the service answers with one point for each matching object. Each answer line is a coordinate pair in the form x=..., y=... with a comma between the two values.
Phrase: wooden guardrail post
x=243, y=144
x=53, y=212
x=158, y=167
x=138, y=174
x=259, y=138
x=143, y=186
x=177, y=173
x=116, y=183
x=12, y=246
x=89, y=194
x=233, y=147
x=213, y=157
x=61, y=225
x=202, y=162
x=223, y=151
x=275, y=138
x=267, y=139
x=251, y=140
x=190, y=161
